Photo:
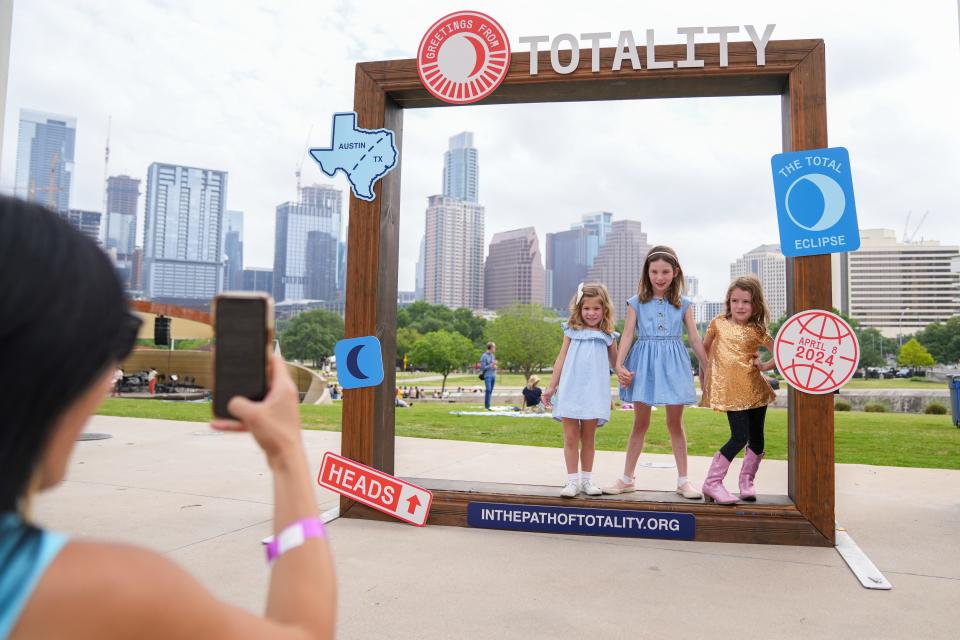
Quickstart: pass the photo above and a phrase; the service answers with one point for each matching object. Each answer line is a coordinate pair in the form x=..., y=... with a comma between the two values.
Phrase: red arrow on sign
x=375, y=488
x=414, y=502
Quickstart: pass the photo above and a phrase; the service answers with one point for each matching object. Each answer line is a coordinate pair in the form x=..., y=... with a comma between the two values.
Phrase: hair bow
x=579, y=292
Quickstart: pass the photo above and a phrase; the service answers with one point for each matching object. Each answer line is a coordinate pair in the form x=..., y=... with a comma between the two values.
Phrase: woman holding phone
x=63, y=308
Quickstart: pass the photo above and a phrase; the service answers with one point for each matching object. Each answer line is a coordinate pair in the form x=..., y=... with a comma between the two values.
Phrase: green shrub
x=874, y=407
x=840, y=405
x=917, y=379
x=935, y=408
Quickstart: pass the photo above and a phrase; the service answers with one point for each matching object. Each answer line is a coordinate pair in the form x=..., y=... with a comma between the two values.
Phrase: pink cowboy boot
x=748, y=471
x=713, y=489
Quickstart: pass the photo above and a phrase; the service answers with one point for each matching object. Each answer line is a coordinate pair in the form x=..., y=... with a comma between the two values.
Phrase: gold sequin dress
x=733, y=383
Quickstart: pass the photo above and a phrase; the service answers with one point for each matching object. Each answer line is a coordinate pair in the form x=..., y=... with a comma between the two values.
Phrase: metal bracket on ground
x=861, y=566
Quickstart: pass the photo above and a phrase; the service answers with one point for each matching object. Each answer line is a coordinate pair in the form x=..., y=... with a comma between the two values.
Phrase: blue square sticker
x=815, y=207
x=359, y=362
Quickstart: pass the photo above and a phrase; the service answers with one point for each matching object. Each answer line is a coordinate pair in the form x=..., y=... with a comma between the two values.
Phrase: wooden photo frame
x=794, y=70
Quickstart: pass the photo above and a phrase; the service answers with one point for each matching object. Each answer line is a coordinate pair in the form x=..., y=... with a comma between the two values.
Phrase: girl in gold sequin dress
x=733, y=384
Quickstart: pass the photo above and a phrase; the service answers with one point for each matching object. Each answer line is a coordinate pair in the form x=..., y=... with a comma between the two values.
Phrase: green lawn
x=900, y=440
x=517, y=380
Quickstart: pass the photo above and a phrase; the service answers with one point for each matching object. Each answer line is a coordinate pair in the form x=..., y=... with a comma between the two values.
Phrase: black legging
x=746, y=428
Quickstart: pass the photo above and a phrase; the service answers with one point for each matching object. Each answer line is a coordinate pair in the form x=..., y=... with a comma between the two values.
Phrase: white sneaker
x=589, y=488
x=571, y=490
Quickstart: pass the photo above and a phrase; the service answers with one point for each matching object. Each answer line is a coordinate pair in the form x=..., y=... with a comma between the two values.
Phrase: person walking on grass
x=488, y=371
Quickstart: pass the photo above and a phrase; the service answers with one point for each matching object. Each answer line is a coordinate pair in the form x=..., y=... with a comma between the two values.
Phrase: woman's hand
x=275, y=421
x=624, y=377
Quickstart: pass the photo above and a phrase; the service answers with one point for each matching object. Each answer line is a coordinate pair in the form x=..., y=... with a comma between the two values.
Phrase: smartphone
x=243, y=335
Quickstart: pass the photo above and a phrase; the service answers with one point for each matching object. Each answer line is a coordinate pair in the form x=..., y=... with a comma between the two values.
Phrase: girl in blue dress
x=580, y=386
x=657, y=370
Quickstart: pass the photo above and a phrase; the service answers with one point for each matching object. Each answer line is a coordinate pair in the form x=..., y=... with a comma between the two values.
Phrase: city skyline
x=703, y=172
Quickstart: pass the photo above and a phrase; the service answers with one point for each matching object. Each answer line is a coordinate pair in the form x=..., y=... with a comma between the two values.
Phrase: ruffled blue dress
x=663, y=373
x=584, y=390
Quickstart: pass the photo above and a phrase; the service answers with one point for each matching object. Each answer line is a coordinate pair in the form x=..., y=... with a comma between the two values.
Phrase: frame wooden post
x=795, y=70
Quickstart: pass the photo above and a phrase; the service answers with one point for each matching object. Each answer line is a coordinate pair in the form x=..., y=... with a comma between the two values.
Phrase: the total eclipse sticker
x=463, y=57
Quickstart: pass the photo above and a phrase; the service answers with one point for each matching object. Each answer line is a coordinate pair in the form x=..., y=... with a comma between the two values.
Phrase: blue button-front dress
x=663, y=373
x=584, y=389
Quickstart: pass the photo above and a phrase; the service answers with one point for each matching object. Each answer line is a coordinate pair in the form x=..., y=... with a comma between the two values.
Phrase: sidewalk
x=205, y=500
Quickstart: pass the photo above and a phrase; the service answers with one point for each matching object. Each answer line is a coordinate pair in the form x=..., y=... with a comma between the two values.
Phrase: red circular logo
x=463, y=57
x=816, y=351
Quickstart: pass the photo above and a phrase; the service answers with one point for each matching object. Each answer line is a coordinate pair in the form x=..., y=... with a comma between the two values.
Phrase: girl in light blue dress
x=580, y=386
x=657, y=370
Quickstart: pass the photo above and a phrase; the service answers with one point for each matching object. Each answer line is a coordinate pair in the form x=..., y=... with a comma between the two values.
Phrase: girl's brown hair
x=676, y=289
x=595, y=290
x=750, y=284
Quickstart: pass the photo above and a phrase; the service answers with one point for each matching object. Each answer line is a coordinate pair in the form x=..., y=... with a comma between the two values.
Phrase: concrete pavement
x=205, y=500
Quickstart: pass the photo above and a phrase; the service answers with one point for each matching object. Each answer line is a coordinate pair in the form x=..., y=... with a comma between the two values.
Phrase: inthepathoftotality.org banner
x=577, y=520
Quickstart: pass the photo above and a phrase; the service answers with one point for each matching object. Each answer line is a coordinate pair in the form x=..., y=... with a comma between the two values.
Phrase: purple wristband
x=294, y=536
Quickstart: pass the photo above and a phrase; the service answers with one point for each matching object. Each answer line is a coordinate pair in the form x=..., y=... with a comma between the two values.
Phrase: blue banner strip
x=599, y=522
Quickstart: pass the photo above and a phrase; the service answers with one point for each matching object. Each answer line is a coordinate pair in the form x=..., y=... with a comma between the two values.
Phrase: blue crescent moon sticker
x=359, y=362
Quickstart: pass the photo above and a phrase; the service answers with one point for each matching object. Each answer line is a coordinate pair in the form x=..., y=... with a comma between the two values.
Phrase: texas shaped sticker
x=364, y=155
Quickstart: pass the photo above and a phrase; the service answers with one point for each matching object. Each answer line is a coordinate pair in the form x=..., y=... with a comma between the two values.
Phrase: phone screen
x=240, y=365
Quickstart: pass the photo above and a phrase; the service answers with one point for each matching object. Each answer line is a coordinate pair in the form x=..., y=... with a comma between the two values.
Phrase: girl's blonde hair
x=593, y=290
x=532, y=382
x=676, y=289
x=750, y=284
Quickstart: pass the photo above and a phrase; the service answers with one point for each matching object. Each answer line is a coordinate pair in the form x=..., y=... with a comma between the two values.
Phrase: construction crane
x=303, y=155
x=909, y=236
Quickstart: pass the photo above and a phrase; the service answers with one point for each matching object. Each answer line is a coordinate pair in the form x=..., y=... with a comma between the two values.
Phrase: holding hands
x=624, y=377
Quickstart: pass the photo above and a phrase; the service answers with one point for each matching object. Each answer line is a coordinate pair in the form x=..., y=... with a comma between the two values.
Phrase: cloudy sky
x=237, y=86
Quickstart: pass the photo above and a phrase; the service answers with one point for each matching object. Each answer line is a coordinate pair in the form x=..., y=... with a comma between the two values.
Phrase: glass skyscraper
x=461, y=169
x=123, y=194
x=307, y=255
x=183, y=232
x=45, y=158
x=233, y=250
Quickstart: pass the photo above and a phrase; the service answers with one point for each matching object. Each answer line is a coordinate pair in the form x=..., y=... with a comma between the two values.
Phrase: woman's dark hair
x=63, y=321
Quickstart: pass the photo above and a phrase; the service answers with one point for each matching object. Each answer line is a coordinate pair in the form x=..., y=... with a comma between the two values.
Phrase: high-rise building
x=342, y=271
x=233, y=250
x=461, y=168
x=693, y=286
x=619, y=263
x=87, y=222
x=183, y=232
x=421, y=265
x=899, y=287
x=45, y=158
x=706, y=311
x=306, y=259
x=513, y=272
x=570, y=254
x=768, y=264
x=257, y=279
x=120, y=235
x=453, y=248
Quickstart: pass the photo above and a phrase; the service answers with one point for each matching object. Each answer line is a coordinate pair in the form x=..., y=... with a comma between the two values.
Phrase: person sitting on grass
x=63, y=308
x=532, y=394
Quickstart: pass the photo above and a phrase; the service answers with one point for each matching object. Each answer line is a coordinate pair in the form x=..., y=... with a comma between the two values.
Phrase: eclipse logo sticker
x=463, y=57
x=359, y=362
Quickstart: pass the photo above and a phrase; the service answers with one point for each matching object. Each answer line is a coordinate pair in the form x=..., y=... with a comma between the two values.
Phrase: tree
x=312, y=336
x=942, y=340
x=406, y=338
x=425, y=317
x=524, y=339
x=873, y=347
x=913, y=354
x=442, y=351
x=467, y=324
